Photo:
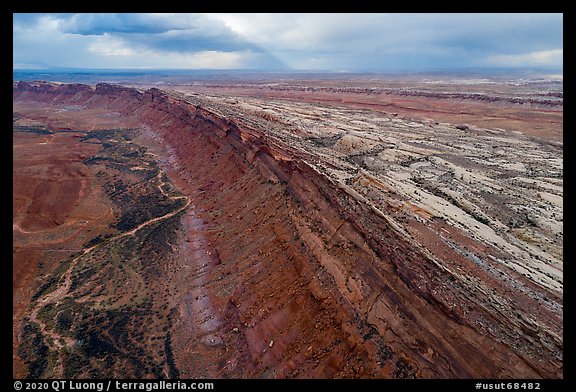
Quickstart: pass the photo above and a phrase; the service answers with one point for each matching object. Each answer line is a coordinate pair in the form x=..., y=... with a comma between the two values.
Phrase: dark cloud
x=98, y=24
x=164, y=32
x=353, y=42
x=30, y=20
x=190, y=40
x=506, y=33
x=170, y=32
x=26, y=19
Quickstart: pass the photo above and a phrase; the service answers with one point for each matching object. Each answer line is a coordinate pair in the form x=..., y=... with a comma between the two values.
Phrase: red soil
x=546, y=123
x=290, y=276
x=56, y=208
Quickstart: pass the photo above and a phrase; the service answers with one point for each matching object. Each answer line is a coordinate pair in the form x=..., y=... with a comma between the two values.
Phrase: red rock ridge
x=345, y=294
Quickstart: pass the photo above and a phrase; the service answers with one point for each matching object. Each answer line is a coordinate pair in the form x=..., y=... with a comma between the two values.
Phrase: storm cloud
x=332, y=42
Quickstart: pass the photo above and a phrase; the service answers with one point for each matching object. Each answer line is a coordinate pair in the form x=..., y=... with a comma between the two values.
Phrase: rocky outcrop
x=310, y=280
x=438, y=94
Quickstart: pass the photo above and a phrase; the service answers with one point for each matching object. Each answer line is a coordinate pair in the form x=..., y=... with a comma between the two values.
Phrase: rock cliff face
x=293, y=275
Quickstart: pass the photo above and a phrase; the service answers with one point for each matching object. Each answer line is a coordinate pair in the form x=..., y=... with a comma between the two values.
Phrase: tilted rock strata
x=329, y=287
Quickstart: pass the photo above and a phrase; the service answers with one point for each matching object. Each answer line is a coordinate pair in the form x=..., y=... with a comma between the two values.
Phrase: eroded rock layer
x=255, y=263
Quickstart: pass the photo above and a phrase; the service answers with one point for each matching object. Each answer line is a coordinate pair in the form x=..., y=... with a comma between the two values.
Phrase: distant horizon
x=494, y=71
x=460, y=70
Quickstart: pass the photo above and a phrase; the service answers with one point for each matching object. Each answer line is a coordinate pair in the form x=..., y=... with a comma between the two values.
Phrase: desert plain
x=288, y=227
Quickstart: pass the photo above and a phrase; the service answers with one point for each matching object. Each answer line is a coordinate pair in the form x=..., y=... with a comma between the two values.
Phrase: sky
x=313, y=42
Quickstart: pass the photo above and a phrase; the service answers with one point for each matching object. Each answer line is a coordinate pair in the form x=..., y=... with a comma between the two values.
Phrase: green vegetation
x=32, y=350
x=52, y=282
x=135, y=192
x=173, y=371
x=37, y=129
x=110, y=310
